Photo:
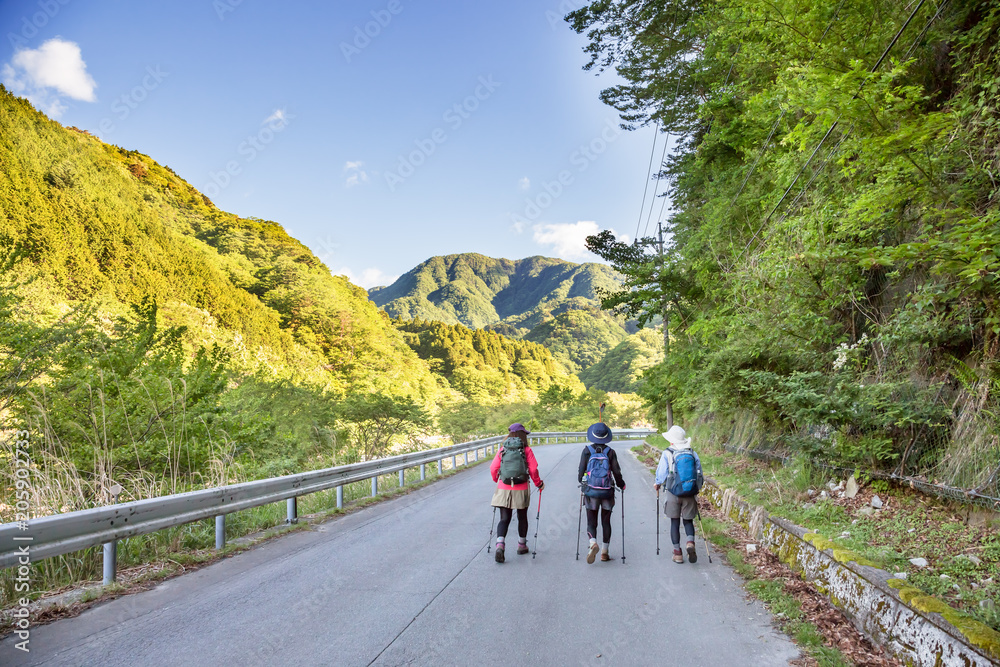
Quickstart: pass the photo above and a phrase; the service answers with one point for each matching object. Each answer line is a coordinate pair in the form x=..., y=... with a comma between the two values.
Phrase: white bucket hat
x=678, y=437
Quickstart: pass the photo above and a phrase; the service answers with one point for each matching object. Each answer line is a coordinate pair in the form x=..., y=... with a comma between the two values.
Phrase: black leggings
x=605, y=524
x=506, y=514
x=675, y=530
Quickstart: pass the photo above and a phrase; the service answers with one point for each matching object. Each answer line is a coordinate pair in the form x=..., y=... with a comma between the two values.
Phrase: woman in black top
x=598, y=487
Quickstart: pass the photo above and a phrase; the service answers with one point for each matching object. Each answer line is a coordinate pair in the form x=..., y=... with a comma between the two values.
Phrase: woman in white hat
x=679, y=471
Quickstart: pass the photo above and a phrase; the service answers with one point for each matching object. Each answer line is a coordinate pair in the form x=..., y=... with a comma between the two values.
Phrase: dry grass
x=973, y=458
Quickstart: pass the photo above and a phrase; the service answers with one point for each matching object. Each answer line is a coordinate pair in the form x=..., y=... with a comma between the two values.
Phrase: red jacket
x=532, y=470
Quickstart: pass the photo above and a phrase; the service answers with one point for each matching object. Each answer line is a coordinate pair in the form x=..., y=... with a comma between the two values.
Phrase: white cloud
x=355, y=174
x=524, y=183
x=48, y=73
x=569, y=239
x=370, y=277
x=278, y=115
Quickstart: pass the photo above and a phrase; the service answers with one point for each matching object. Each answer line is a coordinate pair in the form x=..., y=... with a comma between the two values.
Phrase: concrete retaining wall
x=918, y=629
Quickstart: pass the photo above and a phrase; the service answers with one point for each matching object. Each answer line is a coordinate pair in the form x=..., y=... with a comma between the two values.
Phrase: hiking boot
x=692, y=554
x=498, y=553
x=592, y=554
x=605, y=556
x=678, y=557
x=522, y=548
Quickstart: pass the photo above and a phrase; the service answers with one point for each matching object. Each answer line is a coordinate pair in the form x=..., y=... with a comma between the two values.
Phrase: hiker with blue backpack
x=599, y=472
x=679, y=473
x=511, y=468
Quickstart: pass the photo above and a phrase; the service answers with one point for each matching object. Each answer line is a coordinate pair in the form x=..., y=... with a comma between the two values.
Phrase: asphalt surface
x=409, y=582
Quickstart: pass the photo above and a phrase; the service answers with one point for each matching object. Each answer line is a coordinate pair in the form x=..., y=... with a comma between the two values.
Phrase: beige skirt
x=517, y=499
x=680, y=508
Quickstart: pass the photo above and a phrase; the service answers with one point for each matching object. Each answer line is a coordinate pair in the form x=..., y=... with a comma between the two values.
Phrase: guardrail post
x=340, y=497
x=440, y=466
x=466, y=454
x=110, y=562
x=292, y=506
x=423, y=472
x=374, y=486
x=402, y=478
x=220, y=531
x=454, y=462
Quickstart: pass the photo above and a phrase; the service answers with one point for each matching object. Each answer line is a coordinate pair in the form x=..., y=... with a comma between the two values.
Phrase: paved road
x=409, y=582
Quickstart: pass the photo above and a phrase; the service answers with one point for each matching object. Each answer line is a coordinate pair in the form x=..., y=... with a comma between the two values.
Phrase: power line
x=666, y=142
x=663, y=205
x=652, y=151
x=830, y=130
x=847, y=134
x=774, y=127
x=652, y=203
x=926, y=28
x=760, y=154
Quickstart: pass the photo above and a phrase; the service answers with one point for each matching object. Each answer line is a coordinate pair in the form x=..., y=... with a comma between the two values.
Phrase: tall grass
x=973, y=459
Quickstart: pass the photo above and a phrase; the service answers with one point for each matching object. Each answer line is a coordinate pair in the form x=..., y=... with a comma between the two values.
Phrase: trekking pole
x=538, y=513
x=623, y=526
x=579, y=516
x=490, y=543
x=657, y=520
x=704, y=535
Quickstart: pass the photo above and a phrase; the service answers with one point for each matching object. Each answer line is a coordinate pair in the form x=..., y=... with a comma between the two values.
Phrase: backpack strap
x=591, y=449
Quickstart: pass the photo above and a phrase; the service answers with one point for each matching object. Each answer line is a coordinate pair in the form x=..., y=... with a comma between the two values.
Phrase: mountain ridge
x=476, y=291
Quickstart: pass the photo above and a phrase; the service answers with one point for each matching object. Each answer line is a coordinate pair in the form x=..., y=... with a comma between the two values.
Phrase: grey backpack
x=513, y=462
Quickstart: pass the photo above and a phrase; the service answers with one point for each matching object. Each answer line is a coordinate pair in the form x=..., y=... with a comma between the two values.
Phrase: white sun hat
x=677, y=437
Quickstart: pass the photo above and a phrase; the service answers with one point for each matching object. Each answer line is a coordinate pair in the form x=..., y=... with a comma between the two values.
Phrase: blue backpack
x=599, y=473
x=683, y=479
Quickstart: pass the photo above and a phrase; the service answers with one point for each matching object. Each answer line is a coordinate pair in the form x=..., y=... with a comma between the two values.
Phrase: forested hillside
x=622, y=367
x=148, y=338
x=483, y=365
x=831, y=274
x=92, y=219
x=547, y=301
x=578, y=337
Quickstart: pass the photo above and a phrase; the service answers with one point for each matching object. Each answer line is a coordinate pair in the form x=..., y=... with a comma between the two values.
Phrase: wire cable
x=846, y=135
x=652, y=203
x=652, y=151
x=666, y=142
x=826, y=136
x=774, y=127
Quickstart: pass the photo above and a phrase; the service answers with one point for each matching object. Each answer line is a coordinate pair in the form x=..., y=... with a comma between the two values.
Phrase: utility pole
x=665, y=312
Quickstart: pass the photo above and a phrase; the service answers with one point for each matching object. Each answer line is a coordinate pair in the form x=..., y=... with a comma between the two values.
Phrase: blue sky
x=379, y=133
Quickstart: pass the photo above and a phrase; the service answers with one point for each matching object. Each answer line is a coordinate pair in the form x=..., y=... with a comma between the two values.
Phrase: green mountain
x=95, y=221
x=621, y=368
x=548, y=301
x=477, y=291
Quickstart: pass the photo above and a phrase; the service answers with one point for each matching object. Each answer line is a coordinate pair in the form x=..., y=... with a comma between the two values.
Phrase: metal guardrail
x=25, y=542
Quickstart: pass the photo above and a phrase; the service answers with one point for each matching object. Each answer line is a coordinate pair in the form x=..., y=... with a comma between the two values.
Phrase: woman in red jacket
x=511, y=468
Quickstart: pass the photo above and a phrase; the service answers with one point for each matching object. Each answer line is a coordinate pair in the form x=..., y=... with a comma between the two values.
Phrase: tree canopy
x=833, y=251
